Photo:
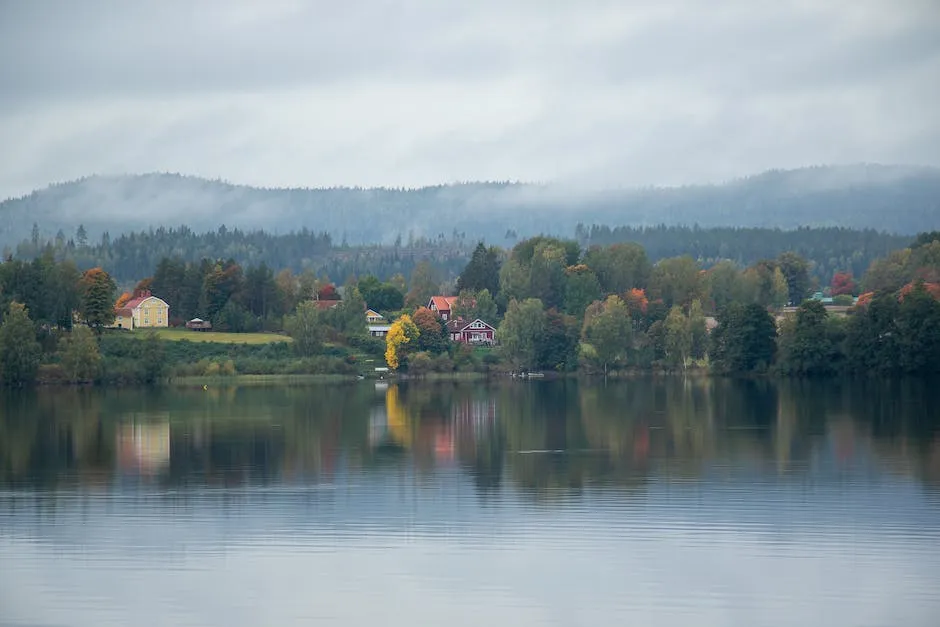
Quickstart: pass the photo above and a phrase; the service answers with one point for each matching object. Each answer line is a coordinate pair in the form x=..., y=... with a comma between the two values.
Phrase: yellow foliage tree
x=402, y=332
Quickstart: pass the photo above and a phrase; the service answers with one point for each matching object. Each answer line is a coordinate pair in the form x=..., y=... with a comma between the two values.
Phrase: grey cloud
x=420, y=92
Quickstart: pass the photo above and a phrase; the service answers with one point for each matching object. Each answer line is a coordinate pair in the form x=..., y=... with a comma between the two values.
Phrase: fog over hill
x=898, y=199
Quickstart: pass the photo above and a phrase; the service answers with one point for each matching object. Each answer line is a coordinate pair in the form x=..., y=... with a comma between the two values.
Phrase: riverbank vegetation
x=557, y=306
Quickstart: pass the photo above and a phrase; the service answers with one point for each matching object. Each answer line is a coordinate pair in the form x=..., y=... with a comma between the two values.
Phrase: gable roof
x=134, y=303
x=458, y=325
x=374, y=313
x=442, y=303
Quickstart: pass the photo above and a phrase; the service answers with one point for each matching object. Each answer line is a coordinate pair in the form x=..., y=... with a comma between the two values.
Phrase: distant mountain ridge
x=898, y=199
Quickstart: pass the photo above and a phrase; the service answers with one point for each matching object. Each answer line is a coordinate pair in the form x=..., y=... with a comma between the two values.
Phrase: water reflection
x=662, y=501
x=540, y=436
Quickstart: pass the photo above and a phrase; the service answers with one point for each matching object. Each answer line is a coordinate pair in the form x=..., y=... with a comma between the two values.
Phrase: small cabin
x=198, y=324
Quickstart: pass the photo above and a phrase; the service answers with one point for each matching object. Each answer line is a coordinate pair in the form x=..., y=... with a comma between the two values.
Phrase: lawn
x=213, y=336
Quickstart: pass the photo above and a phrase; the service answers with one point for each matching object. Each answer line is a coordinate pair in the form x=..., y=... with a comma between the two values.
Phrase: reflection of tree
x=620, y=434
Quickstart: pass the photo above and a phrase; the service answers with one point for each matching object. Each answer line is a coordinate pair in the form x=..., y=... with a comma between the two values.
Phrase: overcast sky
x=285, y=93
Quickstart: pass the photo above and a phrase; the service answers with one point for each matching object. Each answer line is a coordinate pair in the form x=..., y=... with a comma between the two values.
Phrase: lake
x=647, y=501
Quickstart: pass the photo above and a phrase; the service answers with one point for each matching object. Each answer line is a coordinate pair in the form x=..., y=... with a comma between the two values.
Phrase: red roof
x=443, y=303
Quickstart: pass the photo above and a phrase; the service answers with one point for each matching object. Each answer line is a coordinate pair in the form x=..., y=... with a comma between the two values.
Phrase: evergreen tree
x=97, y=298
x=482, y=271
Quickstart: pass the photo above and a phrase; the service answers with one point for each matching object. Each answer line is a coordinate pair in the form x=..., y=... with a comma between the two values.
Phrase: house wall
x=153, y=312
x=124, y=322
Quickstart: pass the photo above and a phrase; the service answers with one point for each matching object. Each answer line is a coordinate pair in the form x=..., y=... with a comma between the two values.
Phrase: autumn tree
x=431, y=333
x=843, y=283
x=97, y=298
x=401, y=339
x=19, y=350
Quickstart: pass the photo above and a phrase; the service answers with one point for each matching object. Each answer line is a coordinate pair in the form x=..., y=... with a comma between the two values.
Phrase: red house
x=471, y=332
x=442, y=306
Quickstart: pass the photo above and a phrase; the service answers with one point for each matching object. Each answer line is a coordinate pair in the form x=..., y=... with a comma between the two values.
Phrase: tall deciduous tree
x=745, y=339
x=19, y=350
x=581, y=289
x=919, y=327
x=677, y=281
x=795, y=271
x=97, y=293
x=805, y=345
x=431, y=335
x=698, y=330
x=472, y=305
x=306, y=329
x=609, y=331
x=521, y=331
x=402, y=338
x=619, y=267
x=843, y=283
x=678, y=337
x=81, y=358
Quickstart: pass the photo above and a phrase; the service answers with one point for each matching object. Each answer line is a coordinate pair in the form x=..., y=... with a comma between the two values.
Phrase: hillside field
x=220, y=337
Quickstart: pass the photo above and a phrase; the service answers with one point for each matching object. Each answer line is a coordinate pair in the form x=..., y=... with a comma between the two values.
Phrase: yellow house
x=143, y=311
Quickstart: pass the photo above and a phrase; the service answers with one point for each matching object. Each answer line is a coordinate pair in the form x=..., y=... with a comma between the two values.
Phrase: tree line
x=557, y=306
x=130, y=256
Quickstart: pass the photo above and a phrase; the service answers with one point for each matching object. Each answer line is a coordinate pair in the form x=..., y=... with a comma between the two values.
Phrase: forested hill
x=903, y=200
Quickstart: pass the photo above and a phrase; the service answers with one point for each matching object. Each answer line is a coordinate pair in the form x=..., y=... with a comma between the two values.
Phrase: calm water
x=653, y=502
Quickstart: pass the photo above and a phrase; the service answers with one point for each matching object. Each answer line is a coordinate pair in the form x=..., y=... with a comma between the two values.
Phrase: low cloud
x=416, y=93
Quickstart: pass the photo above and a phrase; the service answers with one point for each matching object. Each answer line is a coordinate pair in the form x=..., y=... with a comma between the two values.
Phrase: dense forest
x=557, y=307
x=896, y=199
x=132, y=256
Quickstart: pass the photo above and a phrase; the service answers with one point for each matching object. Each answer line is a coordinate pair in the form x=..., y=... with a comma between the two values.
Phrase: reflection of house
x=442, y=306
x=473, y=332
x=143, y=447
x=144, y=310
